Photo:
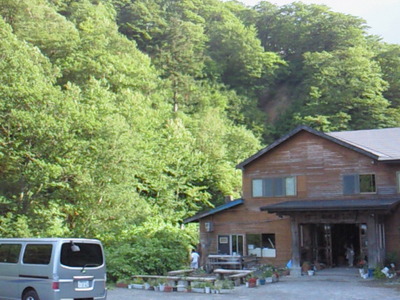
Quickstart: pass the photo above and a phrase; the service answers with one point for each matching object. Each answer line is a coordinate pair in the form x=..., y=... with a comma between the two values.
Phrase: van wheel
x=30, y=295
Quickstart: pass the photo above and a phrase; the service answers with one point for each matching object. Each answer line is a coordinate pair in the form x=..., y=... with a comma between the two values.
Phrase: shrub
x=150, y=249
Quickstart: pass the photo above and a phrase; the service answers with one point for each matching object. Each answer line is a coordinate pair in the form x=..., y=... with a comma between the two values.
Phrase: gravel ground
x=333, y=284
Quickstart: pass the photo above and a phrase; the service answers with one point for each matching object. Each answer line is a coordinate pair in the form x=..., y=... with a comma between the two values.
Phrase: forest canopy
x=121, y=118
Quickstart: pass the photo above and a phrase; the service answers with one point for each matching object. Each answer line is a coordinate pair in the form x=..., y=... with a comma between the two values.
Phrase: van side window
x=9, y=253
x=37, y=254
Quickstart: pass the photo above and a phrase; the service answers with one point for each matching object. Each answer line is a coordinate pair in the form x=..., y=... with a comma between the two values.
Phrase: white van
x=52, y=269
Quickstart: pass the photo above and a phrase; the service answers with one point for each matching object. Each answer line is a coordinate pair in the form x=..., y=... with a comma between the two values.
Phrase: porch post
x=294, y=226
x=373, y=245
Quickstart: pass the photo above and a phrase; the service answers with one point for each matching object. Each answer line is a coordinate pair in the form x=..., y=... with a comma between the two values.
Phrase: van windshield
x=87, y=255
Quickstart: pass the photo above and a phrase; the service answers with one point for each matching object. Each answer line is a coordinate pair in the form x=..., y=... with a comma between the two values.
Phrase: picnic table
x=238, y=276
x=173, y=280
x=229, y=261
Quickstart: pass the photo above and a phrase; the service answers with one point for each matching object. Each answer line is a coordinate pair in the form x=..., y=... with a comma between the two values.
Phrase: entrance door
x=345, y=236
x=327, y=243
x=224, y=245
x=323, y=244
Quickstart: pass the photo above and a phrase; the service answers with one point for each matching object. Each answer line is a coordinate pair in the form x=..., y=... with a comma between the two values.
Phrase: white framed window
x=231, y=244
x=274, y=187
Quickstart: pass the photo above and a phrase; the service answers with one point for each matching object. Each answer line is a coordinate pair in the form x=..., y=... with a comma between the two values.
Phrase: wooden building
x=309, y=196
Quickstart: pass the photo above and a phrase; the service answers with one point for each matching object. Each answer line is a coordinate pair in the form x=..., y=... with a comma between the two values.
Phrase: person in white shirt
x=194, y=260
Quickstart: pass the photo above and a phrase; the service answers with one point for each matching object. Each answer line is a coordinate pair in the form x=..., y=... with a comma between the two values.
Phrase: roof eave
x=221, y=208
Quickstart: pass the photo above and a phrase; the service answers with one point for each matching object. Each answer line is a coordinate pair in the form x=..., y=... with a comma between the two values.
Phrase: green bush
x=150, y=249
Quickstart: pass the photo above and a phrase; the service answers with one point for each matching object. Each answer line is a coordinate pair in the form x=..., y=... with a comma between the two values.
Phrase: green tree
x=389, y=61
x=346, y=87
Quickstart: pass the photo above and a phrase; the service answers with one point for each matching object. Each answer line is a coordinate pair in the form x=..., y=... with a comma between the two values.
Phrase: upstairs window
x=359, y=184
x=398, y=181
x=274, y=187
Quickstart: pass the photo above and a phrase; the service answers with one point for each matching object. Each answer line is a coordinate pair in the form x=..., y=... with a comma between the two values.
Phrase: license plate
x=83, y=284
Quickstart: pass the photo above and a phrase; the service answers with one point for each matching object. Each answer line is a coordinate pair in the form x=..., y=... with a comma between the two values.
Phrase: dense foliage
x=120, y=118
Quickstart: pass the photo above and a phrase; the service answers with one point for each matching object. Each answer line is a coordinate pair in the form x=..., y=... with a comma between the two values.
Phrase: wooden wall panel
x=319, y=166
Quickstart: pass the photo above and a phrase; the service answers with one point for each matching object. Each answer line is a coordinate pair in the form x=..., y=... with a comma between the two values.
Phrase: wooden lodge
x=309, y=196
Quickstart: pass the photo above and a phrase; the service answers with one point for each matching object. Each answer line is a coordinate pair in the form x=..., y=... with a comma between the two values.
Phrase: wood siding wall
x=319, y=166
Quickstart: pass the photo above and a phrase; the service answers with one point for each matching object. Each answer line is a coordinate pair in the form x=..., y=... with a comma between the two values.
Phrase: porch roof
x=213, y=211
x=378, y=205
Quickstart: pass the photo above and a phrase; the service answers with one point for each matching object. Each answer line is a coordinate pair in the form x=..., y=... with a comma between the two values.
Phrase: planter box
x=168, y=288
x=137, y=286
x=182, y=288
x=147, y=286
x=198, y=290
x=226, y=291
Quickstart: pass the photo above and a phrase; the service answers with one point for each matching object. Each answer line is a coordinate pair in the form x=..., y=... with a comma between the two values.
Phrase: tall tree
x=345, y=87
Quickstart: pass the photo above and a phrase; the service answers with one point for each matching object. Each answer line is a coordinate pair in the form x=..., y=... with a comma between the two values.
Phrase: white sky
x=383, y=16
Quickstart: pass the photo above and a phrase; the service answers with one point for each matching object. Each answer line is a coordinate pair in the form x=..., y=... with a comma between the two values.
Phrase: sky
x=382, y=16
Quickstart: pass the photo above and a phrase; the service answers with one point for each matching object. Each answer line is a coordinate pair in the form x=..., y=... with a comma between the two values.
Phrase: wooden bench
x=232, y=274
x=181, y=272
x=238, y=278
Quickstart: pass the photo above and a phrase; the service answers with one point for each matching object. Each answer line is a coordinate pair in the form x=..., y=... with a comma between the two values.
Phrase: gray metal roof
x=213, y=211
x=379, y=144
x=332, y=205
x=384, y=143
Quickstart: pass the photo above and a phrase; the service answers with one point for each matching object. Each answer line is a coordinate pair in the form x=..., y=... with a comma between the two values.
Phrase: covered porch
x=322, y=230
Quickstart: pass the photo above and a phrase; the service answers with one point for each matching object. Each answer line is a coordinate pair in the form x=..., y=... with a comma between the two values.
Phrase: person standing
x=194, y=259
x=350, y=255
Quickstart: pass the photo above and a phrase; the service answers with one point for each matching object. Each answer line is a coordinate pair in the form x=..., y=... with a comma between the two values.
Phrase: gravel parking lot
x=333, y=284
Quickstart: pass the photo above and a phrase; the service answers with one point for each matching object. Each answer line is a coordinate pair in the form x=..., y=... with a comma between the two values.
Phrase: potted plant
x=197, y=287
x=152, y=284
x=138, y=283
x=168, y=288
x=305, y=266
x=252, y=282
x=156, y=284
x=207, y=287
x=226, y=286
x=267, y=274
x=162, y=283
x=122, y=283
x=215, y=289
x=275, y=277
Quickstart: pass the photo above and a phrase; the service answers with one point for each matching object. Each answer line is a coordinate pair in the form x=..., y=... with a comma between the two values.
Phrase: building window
x=398, y=181
x=274, y=187
x=261, y=245
x=358, y=184
x=230, y=244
